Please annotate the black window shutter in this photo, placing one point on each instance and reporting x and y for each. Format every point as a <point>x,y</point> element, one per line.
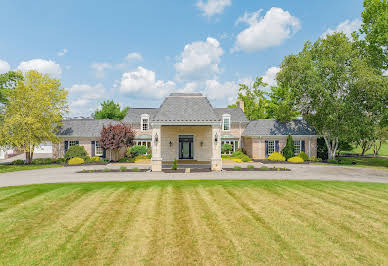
<point>302,146</point>
<point>266,148</point>
<point>93,148</point>
<point>276,145</point>
<point>104,153</point>
<point>66,145</point>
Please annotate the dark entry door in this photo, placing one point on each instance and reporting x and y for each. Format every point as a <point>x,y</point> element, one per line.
<point>186,146</point>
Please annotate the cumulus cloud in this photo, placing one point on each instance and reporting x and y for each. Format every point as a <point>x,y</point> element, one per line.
<point>42,66</point>
<point>4,67</point>
<point>346,27</point>
<point>84,98</point>
<point>213,7</point>
<point>216,90</point>
<point>131,57</point>
<point>143,82</point>
<point>100,69</point>
<point>199,60</point>
<point>271,30</point>
<point>270,76</point>
<point>62,52</point>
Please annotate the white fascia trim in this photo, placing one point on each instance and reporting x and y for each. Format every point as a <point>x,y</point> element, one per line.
<point>186,123</point>
<point>279,136</point>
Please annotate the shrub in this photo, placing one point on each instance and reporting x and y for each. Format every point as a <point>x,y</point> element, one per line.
<point>76,151</point>
<point>106,170</point>
<point>75,161</point>
<point>149,155</point>
<point>141,157</point>
<point>123,169</point>
<point>251,166</point>
<point>174,165</point>
<point>303,155</point>
<point>60,160</point>
<point>245,159</point>
<point>332,161</point>
<point>315,159</point>
<point>296,159</point>
<point>95,159</point>
<point>84,171</point>
<point>18,162</point>
<point>42,161</point>
<point>238,168</point>
<point>137,150</point>
<point>135,169</point>
<point>288,150</point>
<point>264,167</point>
<point>226,148</point>
<point>276,157</point>
<point>126,160</point>
<point>224,156</point>
<point>237,154</point>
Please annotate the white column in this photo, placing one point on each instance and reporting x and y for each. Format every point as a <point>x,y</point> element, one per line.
<point>156,161</point>
<point>216,161</point>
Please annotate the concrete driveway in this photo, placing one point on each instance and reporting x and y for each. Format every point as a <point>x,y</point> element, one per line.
<point>298,172</point>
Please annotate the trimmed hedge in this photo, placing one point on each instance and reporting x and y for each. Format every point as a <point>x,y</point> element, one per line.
<point>276,156</point>
<point>76,161</point>
<point>296,159</point>
<point>18,162</point>
<point>137,150</point>
<point>42,161</point>
<point>76,151</point>
<point>303,155</point>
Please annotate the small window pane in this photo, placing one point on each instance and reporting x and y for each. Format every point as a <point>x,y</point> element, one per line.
<point>297,147</point>
<point>271,147</point>
<point>144,124</point>
<point>226,123</point>
<point>98,150</point>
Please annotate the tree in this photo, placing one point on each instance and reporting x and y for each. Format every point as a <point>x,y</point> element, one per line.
<point>381,137</point>
<point>288,150</point>
<point>374,26</point>
<point>280,105</point>
<point>114,137</point>
<point>110,110</point>
<point>32,113</point>
<point>8,81</point>
<point>333,87</point>
<point>254,99</point>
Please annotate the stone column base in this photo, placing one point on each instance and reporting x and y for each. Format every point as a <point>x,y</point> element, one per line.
<point>216,164</point>
<point>156,165</point>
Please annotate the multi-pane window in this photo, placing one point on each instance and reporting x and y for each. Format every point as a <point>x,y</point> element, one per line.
<point>99,151</point>
<point>73,143</point>
<point>297,146</point>
<point>226,122</point>
<point>234,144</point>
<point>271,147</point>
<point>144,124</point>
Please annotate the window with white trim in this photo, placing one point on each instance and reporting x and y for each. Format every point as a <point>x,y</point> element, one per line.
<point>145,119</point>
<point>226,122</point>
<point>234,144</point>
<point>297,147</point>
<point>271,147</point>
<point>99,151</point>
<point>73,143</point>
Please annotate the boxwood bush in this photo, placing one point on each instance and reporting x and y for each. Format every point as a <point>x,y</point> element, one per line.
<point>76,151</point>
<point>76,161</point>
<point>276,156</point>
<point>137,150</point>
<point>295,159</point>
<point>42,161</point>
<point>18,162</point>
<point>303,155</point>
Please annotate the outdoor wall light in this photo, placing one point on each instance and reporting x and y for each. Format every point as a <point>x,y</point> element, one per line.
<point>170,143</point>
<point>201,143</point>
<point>216,138</point>
<point>156,137</point>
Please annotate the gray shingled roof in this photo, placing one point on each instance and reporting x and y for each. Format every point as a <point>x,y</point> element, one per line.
<point>84,127</point>
<point>272,127</point>
<point>134,114</point>
<point>186,107</point>
<point>236,114</point>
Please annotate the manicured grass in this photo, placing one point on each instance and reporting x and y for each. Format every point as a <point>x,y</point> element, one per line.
<point>363,162</point>
<point>383,151</point>
<point>14,168</point>
<point>195,222</point>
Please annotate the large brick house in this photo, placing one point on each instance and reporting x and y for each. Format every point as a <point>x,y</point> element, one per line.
<point>186,126</point>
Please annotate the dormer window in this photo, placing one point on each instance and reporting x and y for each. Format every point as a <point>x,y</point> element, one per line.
<point>145,121</point>
<point>226,122</point>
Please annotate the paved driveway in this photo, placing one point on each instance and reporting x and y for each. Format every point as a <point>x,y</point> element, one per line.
<point>298,172</point>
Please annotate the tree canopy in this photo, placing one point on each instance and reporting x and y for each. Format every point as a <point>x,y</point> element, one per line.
<point>8,81</point>
<point>110,110</point>
<point>32,113</point>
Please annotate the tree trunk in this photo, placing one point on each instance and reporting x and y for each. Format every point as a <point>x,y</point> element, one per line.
<point>332,146</point>
<point>376,147</point>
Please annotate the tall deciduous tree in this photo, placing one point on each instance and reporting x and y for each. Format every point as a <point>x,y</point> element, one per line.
<point>33,112</point>
<point>114,137</point>
<point>280,105</point>
<point>333,87</point>
<point>110,110</point>
<point>254,99</point>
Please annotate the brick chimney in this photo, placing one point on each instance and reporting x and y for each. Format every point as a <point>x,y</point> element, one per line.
<point>241,105</point>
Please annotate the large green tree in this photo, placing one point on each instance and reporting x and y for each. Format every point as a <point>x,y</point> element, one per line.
<point>280,105</point>
<point>333,87</point>
<point>110,110</point>
<point>32,113</point>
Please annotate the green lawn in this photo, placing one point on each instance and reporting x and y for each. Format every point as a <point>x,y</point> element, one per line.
<point>383,151</point>
<point>195,222</point>
<point>13,168</point>
<point>362,162</point>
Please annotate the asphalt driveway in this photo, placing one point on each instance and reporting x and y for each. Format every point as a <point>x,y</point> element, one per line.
<point>298,172</point>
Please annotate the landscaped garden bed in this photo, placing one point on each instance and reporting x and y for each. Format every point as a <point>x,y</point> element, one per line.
<point>252,168</point>
<point>183,170</point>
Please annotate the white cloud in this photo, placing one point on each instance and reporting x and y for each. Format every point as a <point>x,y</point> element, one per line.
<point>143,82</point>
<point>131,57</point>
<point>88,91</point>
<point>213,7</point>
<point>62,52</point>
<point>199,60</point>
<point>100,69</point>
<point>216,90</point>
<point>271,30</point>
<point>4,67</point>
<point>270,76</point>
<point>385,73</point>
<point>84,98</point>
<point>42,66</point>
<point>346,27</point>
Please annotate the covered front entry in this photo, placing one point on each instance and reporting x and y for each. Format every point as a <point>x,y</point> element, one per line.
<point>186,147</point>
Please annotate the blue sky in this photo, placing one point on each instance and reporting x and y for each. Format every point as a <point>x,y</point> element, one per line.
<point>136,52</point>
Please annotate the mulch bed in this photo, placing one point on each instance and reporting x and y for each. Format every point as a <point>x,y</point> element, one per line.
<point>278,162</point>
<point>192,170</point>
<point>255,169</point>
<point>113,171</point>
